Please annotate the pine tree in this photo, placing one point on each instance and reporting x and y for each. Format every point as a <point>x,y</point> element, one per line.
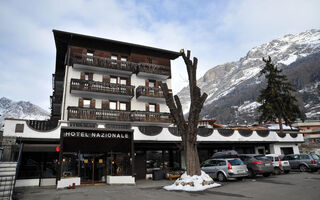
<point>277,100</point>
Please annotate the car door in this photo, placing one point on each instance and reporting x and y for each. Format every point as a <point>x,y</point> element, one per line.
<point>209,167</point>
<point>221,166</point>
<point>294,161</point>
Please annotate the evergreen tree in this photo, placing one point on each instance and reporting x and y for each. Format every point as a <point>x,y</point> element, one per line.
<point>277,101</point>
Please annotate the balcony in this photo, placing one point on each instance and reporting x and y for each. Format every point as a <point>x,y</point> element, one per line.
<point>137,117</point>
<point>150,94</point>
<point>153,71</point>
<point>84,62</point>
<point>153,117</point>
<point>101,89</point>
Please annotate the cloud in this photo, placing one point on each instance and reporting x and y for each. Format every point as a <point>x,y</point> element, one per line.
<point>215,31</point>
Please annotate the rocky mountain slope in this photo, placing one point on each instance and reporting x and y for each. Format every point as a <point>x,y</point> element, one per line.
<point>20,110</point>
<point>233,87</point>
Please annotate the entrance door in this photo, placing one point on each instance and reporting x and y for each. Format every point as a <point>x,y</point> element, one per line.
<point>93,168</point>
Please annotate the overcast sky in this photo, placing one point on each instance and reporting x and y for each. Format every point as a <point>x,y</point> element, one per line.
<point>215,31</point>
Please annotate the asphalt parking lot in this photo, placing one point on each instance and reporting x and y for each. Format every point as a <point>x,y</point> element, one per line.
<point>291,186</point>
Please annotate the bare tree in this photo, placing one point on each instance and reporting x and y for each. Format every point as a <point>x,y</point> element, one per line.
<point>187,130</point>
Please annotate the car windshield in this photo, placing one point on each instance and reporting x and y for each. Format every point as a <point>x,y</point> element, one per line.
<point>235,162</point>
<point>261,158</point>
<point>314,156</point>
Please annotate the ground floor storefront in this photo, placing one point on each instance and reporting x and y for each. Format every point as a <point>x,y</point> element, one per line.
<point>91,157</point>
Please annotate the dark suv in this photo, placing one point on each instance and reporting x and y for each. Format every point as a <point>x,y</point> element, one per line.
<point>257,164</point>
<point>303,162</point>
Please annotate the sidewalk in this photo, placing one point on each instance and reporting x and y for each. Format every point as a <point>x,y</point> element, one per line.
<point>88,192</point>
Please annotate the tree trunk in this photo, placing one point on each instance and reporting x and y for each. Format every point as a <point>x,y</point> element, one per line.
<point>187,130</point>
<point>280,125</point>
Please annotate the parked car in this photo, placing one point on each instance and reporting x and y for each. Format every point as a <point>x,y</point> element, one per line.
<point>225,168</point>
<point>303,162</point>
<point>257,164</point>
<point>278,164</point>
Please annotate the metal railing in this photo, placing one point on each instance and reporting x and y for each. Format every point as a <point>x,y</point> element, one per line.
<point>149,92</point>
<point>101,87</point>
<point>117,115</point>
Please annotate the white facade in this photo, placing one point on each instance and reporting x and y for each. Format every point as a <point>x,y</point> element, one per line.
<point>73,99</point>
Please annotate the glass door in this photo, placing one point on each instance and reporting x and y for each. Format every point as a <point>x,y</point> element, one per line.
<point>93,168</point>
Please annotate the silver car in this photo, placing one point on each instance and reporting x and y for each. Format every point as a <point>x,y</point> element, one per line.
<point>225,168</point>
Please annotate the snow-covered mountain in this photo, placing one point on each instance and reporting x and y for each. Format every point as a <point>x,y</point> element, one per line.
<point>20,110</point>
<point>233,87</point>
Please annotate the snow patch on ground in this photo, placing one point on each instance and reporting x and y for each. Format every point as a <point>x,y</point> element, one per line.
<point>249,107</point>
<point>193,183</point>
<point>289,60</point>
<point>276,127</point>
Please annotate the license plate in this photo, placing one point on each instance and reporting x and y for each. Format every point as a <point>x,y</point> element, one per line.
<point>267,164</point>
<point>240,171</point>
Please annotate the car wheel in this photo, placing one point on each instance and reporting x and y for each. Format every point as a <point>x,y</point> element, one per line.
<point>266,174</point>
<point>303,168</point>
<point>277,171</point>
<point>251,173</point>
<point>286,171</point>
<point>221,177</point>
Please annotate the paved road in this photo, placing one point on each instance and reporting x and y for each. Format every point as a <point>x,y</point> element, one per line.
<point>302,186</point>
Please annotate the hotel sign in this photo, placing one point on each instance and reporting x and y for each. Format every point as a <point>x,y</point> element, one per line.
<point>95,134</point>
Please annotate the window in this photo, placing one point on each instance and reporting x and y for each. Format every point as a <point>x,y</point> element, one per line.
<point>114,80</point>
<point>113,105</point>
<point>152,107</point>
<point>123,81</point>
<point>114,58</point>
<point>123,61</point>
<point>152,83</point>
<point>123,106</point>
<point>90,55</point>
<point>304,157</point>
<point>235,162</point>
<point>19,128</point>
<point>86,103</point>
<point>86,76</point>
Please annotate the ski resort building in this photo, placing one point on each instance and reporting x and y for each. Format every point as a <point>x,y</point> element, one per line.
<point>109,121</point>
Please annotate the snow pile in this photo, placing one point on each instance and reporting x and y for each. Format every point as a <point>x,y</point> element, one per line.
<point>193,183</point>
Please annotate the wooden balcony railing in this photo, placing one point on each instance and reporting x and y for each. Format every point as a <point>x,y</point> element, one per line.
<point>149,92</point>
<point>120,65</point>
<point>117,115</point>
<point>143,116</point>
<point>154,69</point>
<point>101,87</point>
<point>103,62</point>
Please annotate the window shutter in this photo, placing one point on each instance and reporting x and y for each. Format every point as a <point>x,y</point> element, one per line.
<point>92,103</point>
<point>90,76</point>
<point>106,79</point>
<point>147,107</point>
<point>129,81</point>
<point>84,51</point>
<point>157,84</point>
<point>107,104</point>
<point>147,83</point>
<point>80,102</point>
<point>82,75</point>
<point>128,106</point>
<point>157,108</point>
